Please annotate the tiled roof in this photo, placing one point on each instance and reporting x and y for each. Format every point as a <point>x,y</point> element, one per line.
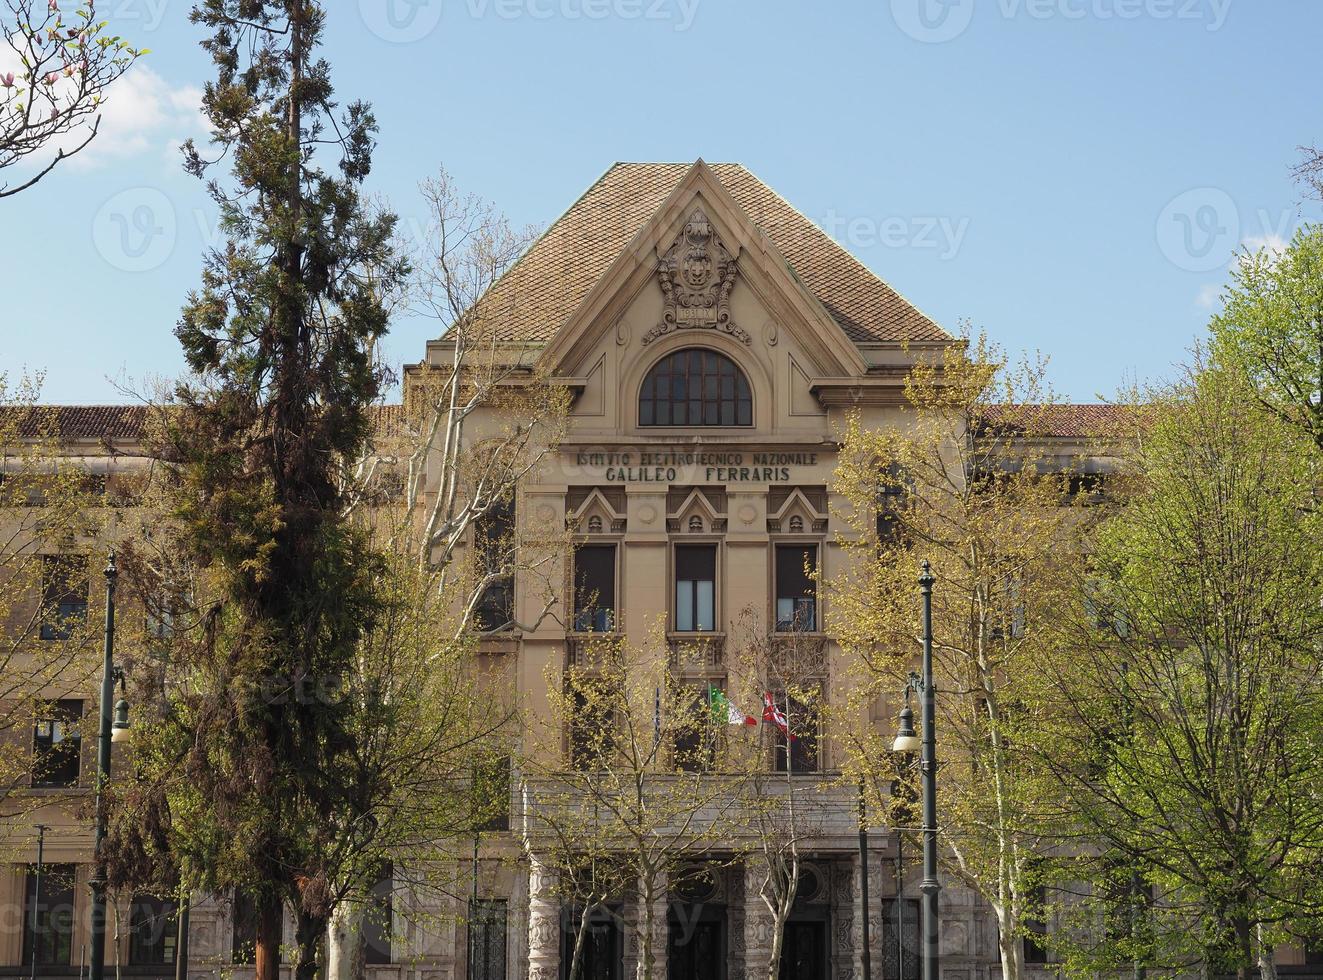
<point>116,423</point>
<point>1064,420</point>
<point>536,296</point>
<point>78,422</point>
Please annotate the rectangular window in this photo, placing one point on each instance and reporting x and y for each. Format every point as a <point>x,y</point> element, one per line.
<point>57,744</point>
<point>377,922</point>
<point>595,588</point>
<point>494,543</point>
<point>63,596</point>
<point>243,930</point>
<point>487,929</point>
<point>802,720</point>
<point>900,940</point>
<point>492,798</point>
<point>153,931</point>
<point>54,912</point>
<point>796,591</point>
<point>695,588</point>
<point>696,735</point>
<point>1035,924</point>
<point>592,724</point>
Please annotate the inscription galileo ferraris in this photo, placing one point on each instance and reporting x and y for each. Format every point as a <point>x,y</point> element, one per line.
<point>719,467</point>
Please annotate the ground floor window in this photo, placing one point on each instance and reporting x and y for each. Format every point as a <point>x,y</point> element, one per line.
<point>487,932</point>
<point>154,931</point>
<point>48,916</point>
<point>601,958</point>
<point>900,940</point>
<point>377,924</point>
<point>243,926</point>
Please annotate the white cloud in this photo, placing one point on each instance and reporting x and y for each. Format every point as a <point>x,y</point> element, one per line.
<point>144,113</point>
<point>1209,297</point>
<point>1269,240</point>
<point>141,113</point>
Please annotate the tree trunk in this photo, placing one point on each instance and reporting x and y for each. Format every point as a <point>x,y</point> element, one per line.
<point>345,944</point>
<point>1009,945</point>
<point>309,934</point>
<point>778,941</point>
<point>1244,949</point>
<point>270,926</point>
<point>1267,958</point>
<point>645,940</point>
<point>576,960</point>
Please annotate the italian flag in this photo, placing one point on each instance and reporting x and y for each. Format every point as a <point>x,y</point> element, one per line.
<point>723,710</point>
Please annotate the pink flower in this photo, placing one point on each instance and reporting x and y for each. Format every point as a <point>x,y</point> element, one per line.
<point>53,6</point>
<point>7,79</point>
<point>52,78</point>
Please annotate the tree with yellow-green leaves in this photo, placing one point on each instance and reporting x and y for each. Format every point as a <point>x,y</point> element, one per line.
<point>48,639</point>
<point>962,481</point>
<point>629,778</point>
<point>1184,718</point>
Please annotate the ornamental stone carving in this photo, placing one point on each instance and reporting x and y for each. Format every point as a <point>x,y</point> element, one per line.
<point>697,274</point>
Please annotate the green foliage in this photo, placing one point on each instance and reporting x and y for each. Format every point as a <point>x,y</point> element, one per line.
<point>1188,723</point>
<point>252,764</point>
<point>1271,329</point>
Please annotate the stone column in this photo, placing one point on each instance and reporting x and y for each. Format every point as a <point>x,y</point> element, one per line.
<point>880,886</point>
<point>846,925</point>
<point>735,965</point>
<point>757,925</point>
<point>633,965</point>
<point>543,923</point>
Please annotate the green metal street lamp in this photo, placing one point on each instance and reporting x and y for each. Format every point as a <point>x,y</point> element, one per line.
<point>908,740</point>
<point>114,729</point>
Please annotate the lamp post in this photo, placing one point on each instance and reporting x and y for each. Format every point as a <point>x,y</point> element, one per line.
<point>36,896</point>
<point>907,740</point>
<point>116,730</point>
<point>863,881</point>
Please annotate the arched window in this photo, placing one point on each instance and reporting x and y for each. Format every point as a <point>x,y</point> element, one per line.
<point>695,387</point>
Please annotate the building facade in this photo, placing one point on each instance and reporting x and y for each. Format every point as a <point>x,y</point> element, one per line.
<point>713,340</point>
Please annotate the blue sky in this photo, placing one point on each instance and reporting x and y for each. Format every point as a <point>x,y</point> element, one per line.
<point>1072,176</point>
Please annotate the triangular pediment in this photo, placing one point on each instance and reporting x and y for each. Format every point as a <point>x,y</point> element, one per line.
<point>696,249</point>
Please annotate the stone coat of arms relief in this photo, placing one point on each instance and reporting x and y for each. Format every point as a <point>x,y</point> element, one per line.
<point>697,274</point>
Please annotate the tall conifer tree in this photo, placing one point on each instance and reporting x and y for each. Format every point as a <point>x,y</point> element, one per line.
<point>251,792</point>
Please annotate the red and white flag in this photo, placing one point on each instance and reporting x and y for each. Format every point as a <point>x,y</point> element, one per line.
<point>775,715</point>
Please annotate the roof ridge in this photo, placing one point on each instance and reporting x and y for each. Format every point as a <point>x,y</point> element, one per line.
<point>534,298</point>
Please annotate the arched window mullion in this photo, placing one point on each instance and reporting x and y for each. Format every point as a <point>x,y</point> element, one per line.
<point>695,386</point>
